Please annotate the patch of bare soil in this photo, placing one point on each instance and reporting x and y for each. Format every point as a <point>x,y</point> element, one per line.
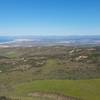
<point>52,96</point>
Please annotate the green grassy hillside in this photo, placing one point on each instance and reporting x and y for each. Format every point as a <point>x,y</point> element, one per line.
<point>83,89</point>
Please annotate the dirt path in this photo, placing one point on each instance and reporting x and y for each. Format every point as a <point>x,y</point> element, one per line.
<point>52,96</point>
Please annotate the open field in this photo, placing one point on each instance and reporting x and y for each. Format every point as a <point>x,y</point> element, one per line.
<point>83,89</point>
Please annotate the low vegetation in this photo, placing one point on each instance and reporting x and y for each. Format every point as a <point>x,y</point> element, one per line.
<point>84,89</point>
<point>70,71</point>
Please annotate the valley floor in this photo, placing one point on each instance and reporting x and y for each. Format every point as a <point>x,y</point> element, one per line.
<point>46,73</point>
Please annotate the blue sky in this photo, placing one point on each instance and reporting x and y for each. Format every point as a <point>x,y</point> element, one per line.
<point>49,17</point>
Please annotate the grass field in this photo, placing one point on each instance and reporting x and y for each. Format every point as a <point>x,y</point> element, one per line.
<point>83,89</point>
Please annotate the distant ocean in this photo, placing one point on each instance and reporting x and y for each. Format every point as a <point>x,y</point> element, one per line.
<point>76,39</point>
<point>6,39</point>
